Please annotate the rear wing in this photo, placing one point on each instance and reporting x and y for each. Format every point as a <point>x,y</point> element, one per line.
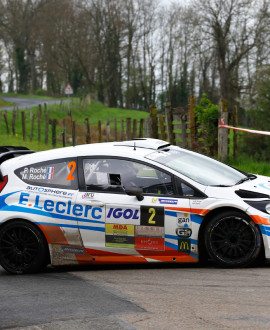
<point>8,152</point>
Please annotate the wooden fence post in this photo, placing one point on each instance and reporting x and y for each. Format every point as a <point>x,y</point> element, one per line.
<point>162,127</point>
<point>87,131</point>
<point>74,133</point>
<point>122,130</point>
<point>141,128</point>
<point>6,121</point>
<point>184,131</point>
<point>40,110</point>
<point>39,121</point>
<point>23,125</point>
<point>108,130</point>
<point>46,128</point>
<point>154,123</point>
<point>115,130</point>
<point>64,133</point>
<point>32,127</point>
<point>128,120</point>
<point>169,123</point>
<point>235,135</point>
<point>14,122</point>
<point>192,121</point>
<point>134,131</point>
<point>54,133</point>
<point>223,132</point>
<point>99,131</point>
<point>146,128</point>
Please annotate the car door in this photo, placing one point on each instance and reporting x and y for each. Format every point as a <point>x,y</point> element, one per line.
<point>122,223</point>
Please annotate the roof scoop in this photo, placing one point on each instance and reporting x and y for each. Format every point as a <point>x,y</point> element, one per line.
<point>153,144</point>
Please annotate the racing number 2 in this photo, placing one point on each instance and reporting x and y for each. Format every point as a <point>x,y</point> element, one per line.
<point>72,165</point>
<point>152,216</point>
<point>153,213</point>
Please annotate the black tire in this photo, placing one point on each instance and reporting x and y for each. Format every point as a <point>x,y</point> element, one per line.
<point>232,240</point>
<point>23,248</point>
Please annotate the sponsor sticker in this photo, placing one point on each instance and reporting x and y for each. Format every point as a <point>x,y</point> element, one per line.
<point>88,195</point>
<point>183,219</point>
<point>264,185</point>
<point>183,232</point>
<point>121,241</point>
<point>117,229</point>
<point>64,208</point>
<point>49,191</point>
<point>152,216</point>
<point>149,231</point>
<point>70,249</point>
<point>184,245</point>
<point>149,243</point>
<point>168,201</point>
<point>123,215</point>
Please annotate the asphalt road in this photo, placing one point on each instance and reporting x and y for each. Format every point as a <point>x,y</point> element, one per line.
<point>136,297</point>
<point>23,103</point>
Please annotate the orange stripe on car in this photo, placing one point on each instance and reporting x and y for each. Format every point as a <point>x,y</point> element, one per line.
<point>260,220</point>
<point>194,211</point>
<point>54,235</point>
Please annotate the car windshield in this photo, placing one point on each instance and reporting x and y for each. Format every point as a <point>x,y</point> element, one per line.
<point>197,167</point>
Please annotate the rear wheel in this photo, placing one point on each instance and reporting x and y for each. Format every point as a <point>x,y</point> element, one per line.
<point>23,249</point>
<point>232,240</point>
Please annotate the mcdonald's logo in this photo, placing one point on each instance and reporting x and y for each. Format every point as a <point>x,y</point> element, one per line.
<point>184,245</point>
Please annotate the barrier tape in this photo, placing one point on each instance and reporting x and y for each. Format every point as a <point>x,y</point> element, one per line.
<point>242,129</point>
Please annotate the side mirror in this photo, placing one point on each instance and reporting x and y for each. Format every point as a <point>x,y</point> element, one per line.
<point>134,191</point>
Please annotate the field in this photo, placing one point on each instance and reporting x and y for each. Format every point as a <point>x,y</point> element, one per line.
<point>76,111</point>
<point>95,112</point>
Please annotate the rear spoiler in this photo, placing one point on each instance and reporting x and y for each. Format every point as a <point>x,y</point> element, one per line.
<point>8,152</point>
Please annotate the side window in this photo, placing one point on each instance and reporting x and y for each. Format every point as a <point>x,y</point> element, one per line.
<point>60,173</point>
<point>115,174</point>
<point>184,190</point>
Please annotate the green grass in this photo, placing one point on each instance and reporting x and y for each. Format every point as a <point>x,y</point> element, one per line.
<point>248,164</point>
<point>79,111</point>
<point>4,103</point>
<point>18,141</point>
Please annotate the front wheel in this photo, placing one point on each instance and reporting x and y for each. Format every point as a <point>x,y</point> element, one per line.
<point>23,249</point>
<point>232,240</point>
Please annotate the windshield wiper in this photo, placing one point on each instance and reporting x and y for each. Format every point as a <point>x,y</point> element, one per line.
<point>221,185</point>
<point>247,178</point>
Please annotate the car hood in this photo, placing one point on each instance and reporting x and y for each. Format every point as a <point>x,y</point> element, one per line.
<point>259,186</point>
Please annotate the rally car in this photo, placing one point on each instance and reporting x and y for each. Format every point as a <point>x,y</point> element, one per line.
<point>135,201</point>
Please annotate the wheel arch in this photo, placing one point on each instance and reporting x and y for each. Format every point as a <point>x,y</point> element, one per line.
<point>201,244</point>
<point>3,224</point>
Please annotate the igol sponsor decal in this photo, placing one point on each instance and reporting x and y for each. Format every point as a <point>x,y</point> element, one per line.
<point>121,215</point>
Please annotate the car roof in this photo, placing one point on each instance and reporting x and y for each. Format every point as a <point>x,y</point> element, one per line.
<point>136,148</point>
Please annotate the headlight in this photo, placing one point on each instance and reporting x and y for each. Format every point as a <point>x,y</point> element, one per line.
<point>267,208</point>
<point>263,206</point>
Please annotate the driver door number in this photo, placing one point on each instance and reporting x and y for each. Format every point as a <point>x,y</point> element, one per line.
<point>152,216</point>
